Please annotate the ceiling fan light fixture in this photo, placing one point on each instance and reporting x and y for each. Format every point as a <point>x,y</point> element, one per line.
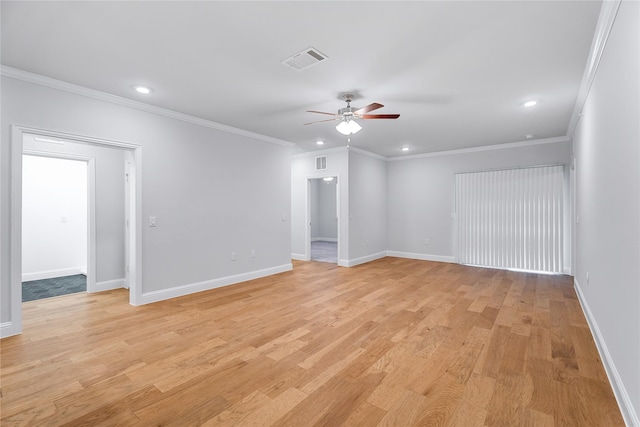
<point>348,127</point>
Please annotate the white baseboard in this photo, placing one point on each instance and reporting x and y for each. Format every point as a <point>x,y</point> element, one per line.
<point>108,285</point>
<point>423,257</point>
<point>299,257</point>
<point>8,329</point>
<point>178,291</point>
<point>324,239</point>
<point>26,277</point>
<point>361,260</point>
<point>631,418</point>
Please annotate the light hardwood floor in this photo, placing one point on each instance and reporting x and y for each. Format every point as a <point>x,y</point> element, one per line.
<point>394,342</point>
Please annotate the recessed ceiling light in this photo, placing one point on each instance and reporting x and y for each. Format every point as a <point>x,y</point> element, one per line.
<point>328,178</point>
<point>529,136</point>
<point>405,148</point>
<point>142,89</point>
<point>320,142</point>
<point>530,103</point>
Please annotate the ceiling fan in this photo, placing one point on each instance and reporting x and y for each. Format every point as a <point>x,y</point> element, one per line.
<point>347,116</point>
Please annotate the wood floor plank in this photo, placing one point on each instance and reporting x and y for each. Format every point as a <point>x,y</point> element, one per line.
<point>395,342</point>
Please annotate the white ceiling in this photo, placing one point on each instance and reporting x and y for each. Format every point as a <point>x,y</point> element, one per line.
<point>457,72</point>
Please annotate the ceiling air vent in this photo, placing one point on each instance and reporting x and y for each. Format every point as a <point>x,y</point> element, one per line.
<point>305,59</point>
<point>321,163</point>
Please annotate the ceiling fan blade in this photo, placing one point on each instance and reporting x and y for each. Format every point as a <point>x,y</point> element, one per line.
<point>370,107</point>
<point>380,116</point>
<point>320,121</point>
<point>320,112</point>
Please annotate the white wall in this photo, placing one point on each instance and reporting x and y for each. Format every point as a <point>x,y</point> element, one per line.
<point>607,151</point>
<point>213,192</point>
<point>54,217</point>
<point>109,202</point>
<point>302,169</point>
<point>367,207</point>
<point>420,194</point>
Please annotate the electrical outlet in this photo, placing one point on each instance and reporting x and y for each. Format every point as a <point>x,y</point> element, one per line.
<point>233,256</point>
<point>426,241</point>
<point>587,277</point>
<point>366,243</point>
<point>253,253</point>
<point>153,222</point>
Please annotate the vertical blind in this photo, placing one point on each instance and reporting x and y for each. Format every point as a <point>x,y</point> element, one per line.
<point>511,218</point>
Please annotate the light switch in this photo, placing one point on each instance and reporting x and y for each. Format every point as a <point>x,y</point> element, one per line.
<point>152,221</point>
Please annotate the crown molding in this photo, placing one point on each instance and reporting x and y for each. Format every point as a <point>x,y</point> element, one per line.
<point>367,153</point>
<point>483,148</point>
<point>607,17</point>
<point>26,76</point>
<point>319,152</point>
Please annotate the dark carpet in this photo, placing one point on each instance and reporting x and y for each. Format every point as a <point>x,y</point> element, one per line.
<point>47,288</point>
<point>324,251</point>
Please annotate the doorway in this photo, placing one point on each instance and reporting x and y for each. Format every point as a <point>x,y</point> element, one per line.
<point>323,219</point>
<point>55,223</point>
<point>133,232</point>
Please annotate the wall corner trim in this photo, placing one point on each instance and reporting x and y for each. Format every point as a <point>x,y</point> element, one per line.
<point>108,285</point>
<point>8,329</point>
<point>361,260</point>
<point>299,257</point>
<point>631,418</point>
<point>319,152</point>
<point>26,76</point>
<point>555,140</point>
<point>178,291</point>
<point>367,153</point>
<point>608,12</point>
<point>423,257</point>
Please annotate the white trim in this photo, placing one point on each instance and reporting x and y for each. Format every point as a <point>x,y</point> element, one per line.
<point>555,140</point>
<point>50,274</point>
<point>108,285</point>
<point>367,153</point>
<point>423,257</point>
<point>324,239</point>
<point>362,260</point>
<point>299,257</point>
<point>319,152</point>
<point>343,263</point>
<point>619,390</point>
<point>118,100</point>
<point>8,329</point>
<point>178,291</point>
<point>608,12</point>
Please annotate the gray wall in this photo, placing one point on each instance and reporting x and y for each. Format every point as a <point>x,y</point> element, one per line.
<point>109,167</point>
<point>367,206</point>
<point>607,151</point>
<point>212,192</point>
<point>420,193</point>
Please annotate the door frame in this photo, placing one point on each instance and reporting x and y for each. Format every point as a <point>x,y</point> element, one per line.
<point>15,234</point>
<point>307,222</point>
<point>91,209</point>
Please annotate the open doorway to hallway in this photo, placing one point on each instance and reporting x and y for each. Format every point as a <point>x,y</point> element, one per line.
<point>323,215</point>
